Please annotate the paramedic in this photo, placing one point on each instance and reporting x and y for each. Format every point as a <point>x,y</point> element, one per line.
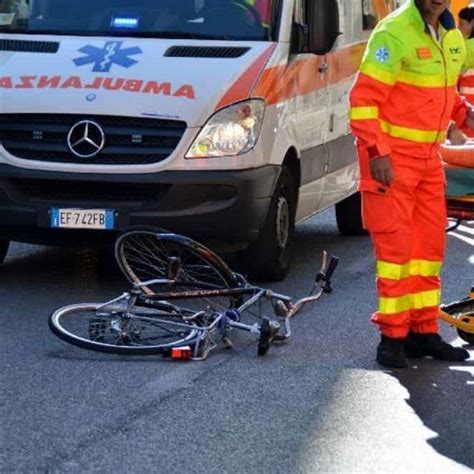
<point>402,102</point>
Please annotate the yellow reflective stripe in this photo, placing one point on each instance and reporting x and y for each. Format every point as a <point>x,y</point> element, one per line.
<point>375,72</point>
<point>412,78</point>
<point>364,113</point>
<point>425,299</point>
<point>393,271</point>
<point>412,134</point>
<point>426,80</point>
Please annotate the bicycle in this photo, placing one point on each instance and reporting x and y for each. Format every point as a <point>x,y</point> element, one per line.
<point>184,297</point>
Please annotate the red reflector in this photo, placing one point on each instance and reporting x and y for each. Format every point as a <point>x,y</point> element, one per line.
<point>181,353</point>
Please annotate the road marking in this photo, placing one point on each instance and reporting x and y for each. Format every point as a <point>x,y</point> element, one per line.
<point>464,232</point>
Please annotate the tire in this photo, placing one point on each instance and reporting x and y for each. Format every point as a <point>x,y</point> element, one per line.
<point>349,216</point>
<point>466,336</point>
<point>269,257</point>
<point>4,244</point>
<point>464,311</point>
<point>143,255</point>
<point>82,326</point>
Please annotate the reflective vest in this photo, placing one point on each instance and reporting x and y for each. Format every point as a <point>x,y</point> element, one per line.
<point>466,81</point>
<point>406,91</point>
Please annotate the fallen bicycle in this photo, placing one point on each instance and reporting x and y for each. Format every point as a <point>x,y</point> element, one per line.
<point>184,301</point>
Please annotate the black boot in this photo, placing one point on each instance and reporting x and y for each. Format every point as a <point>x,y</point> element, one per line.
<point>431,345</point>
<point>390,353</point>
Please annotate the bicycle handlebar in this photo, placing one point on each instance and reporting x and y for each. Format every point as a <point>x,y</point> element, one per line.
<point>323,279</point>
<point>298,306</point>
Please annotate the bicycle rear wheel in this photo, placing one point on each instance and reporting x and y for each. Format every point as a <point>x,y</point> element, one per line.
<point>142,331</point>
<point>147,255</point>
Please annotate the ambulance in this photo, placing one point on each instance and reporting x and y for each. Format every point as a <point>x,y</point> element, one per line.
<point>225,120</point>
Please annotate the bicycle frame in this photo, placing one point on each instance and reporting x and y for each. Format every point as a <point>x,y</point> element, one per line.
<point>132,304</point>
<point>136,302</point>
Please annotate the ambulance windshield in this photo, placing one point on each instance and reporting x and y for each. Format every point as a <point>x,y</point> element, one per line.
<point>206,19</point>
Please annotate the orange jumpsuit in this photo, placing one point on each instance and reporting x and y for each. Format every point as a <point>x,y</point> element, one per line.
<point>402,102</point>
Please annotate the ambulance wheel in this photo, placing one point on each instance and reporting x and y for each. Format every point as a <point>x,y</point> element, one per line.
<point>349,216</point>
<point>269,258</point>
<point>4,244</point>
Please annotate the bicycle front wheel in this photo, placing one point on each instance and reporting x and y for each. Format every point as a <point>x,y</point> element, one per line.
<point>141,331</point>
<point>147,255</point>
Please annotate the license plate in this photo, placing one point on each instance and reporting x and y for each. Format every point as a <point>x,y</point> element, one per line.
<point>82,218</point>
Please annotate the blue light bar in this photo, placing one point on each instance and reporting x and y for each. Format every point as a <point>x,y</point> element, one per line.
<point>124,22</point>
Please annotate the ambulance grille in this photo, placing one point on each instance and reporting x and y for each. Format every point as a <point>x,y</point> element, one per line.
<point>205,52</point>
<point>128,140</point>
<point>56,191</point>
<point>22,46</point>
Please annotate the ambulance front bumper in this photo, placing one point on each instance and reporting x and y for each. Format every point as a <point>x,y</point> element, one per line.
<point>221,206</point>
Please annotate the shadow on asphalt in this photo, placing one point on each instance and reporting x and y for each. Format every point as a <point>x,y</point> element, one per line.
<point>434,389</point>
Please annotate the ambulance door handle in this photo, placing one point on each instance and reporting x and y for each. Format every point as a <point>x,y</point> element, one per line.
<point>323,68</point>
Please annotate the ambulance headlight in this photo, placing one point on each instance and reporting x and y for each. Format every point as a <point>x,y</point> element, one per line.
<point>230,132</point>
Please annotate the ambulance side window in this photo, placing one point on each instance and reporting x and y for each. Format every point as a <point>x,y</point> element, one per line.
<point>315,26</point>
<point>369,15</point>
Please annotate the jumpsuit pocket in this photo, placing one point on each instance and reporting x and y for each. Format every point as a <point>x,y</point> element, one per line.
<point>378,213</point>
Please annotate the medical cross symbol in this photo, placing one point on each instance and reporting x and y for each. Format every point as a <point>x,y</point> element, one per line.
<point>382,55</point>
<point>104,58</point>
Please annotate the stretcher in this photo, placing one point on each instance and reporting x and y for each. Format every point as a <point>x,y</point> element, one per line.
<point>459,167</point>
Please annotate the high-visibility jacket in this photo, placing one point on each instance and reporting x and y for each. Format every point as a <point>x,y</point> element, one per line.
<point>406,91</point>
<point>466,81</point>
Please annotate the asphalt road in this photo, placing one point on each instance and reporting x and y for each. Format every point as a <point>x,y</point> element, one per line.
<point>317,404</point>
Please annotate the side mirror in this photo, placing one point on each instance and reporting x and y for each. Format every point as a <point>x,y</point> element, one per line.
<point>299,38</point>
<point>322,18</point>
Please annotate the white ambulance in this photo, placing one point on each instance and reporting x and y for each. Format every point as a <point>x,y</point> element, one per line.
<point>225,120</point>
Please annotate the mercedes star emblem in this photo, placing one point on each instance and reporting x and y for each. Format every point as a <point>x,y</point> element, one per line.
<point>86,139</point>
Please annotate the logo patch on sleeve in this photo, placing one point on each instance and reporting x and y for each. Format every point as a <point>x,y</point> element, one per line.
<point>382,55</point>
<point>423,53</point>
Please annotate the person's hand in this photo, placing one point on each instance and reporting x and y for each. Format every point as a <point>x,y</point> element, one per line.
<point>456,137</point>
<point>381,170</point>
<point>470,119</point>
